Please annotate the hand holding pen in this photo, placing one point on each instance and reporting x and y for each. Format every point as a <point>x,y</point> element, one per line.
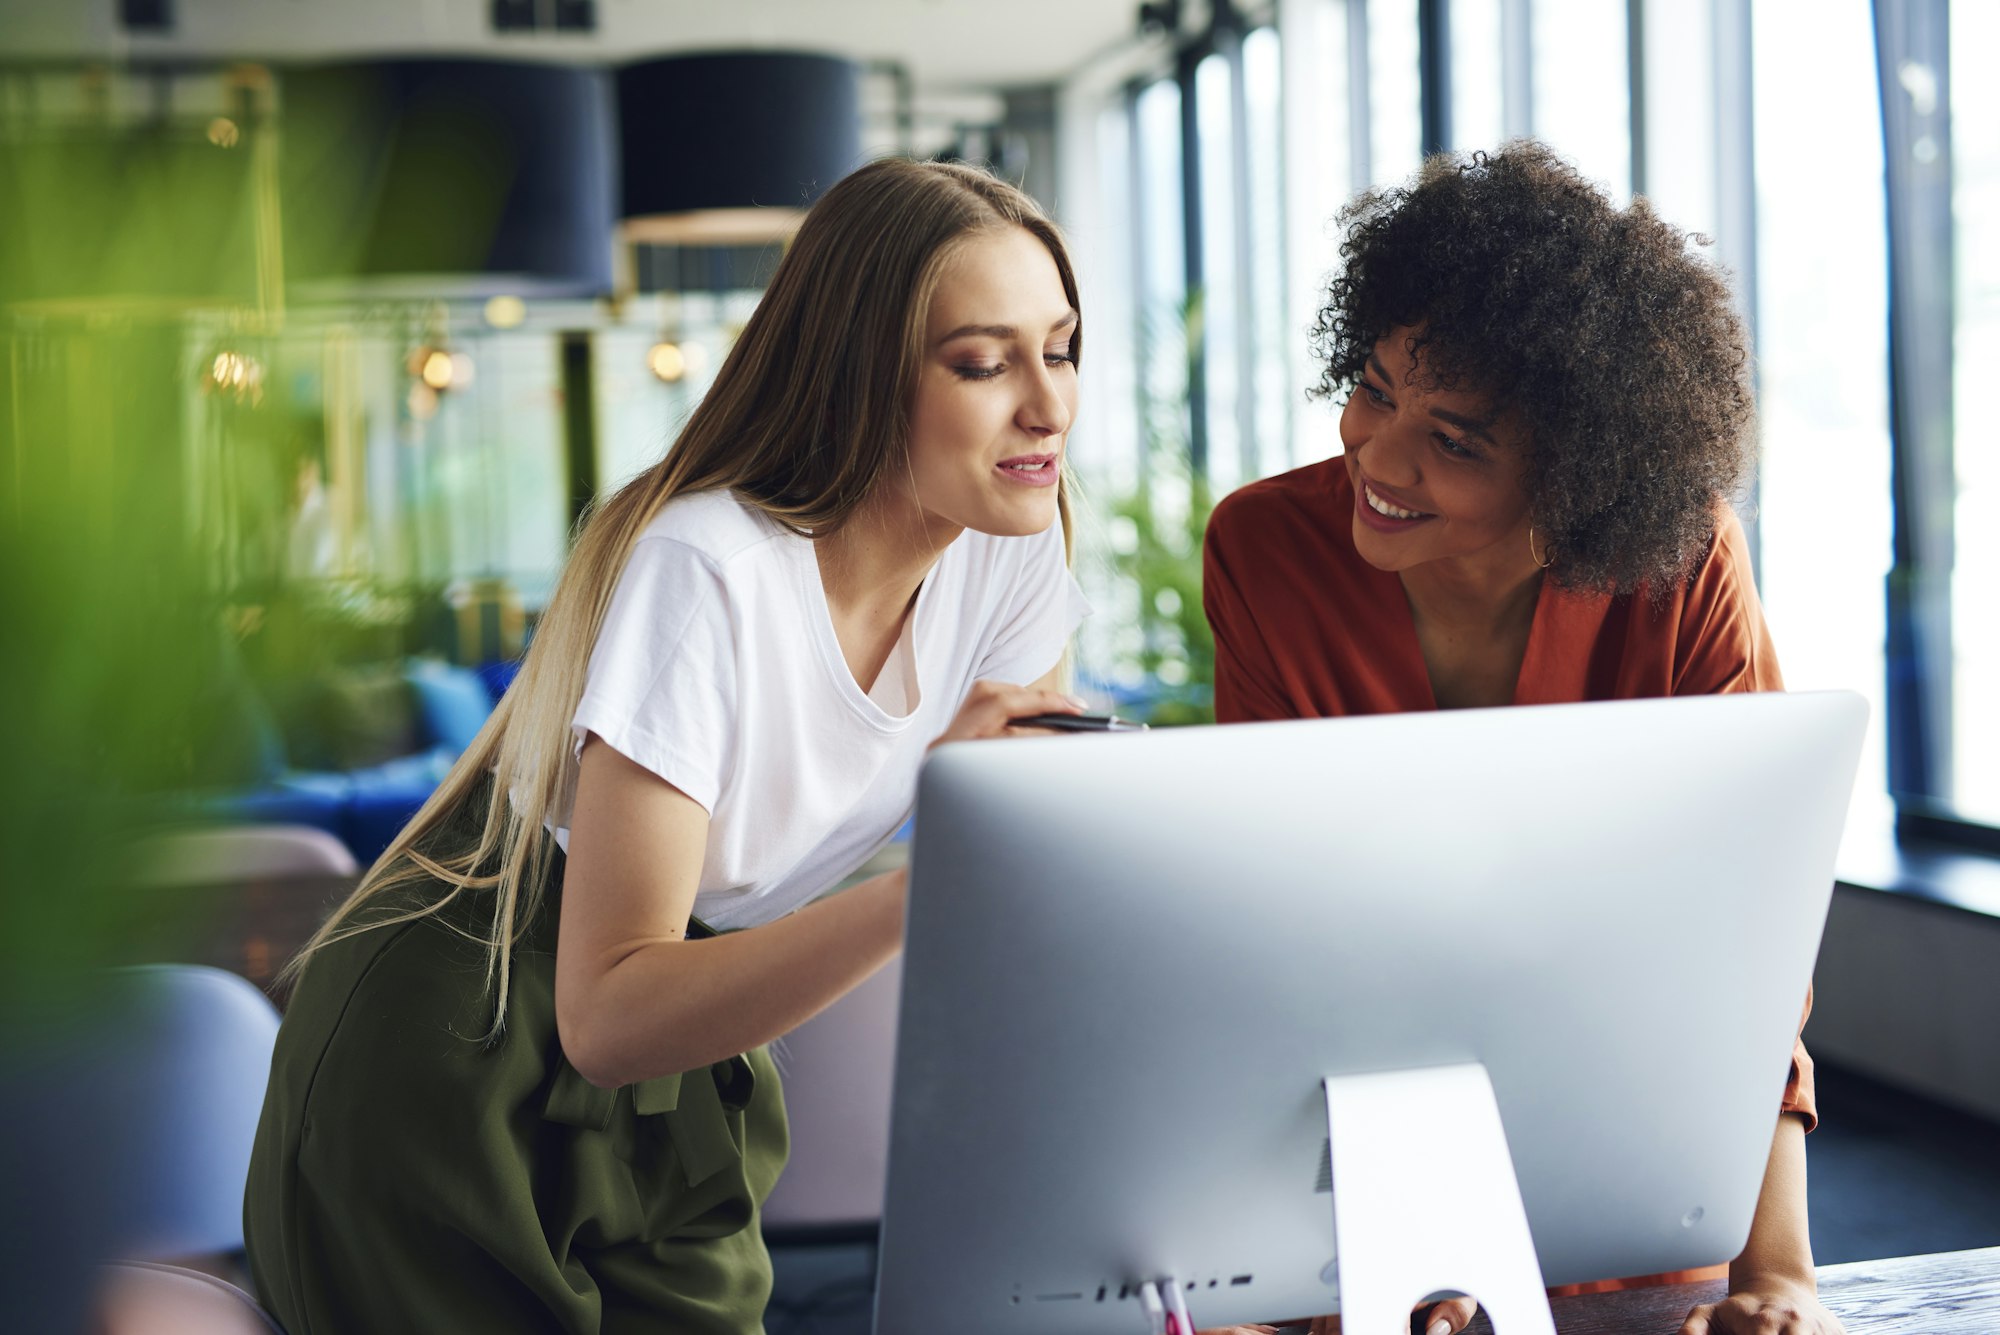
<point>991,709</point>
<point>1077,723</point>
<point>1000,709</point>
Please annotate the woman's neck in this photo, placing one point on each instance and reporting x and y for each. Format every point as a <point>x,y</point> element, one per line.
<point>1473,627</point>
<point>870,570</point>
<point>1472,595</point>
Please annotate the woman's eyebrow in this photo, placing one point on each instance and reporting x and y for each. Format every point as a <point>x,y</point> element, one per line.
<point>1470,425</point>
<point>1061,323</point>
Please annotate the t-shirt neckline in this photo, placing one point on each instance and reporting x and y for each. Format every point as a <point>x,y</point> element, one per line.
<point>812,591</point>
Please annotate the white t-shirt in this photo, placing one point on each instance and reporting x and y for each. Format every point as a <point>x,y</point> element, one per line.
<point>717,669</point>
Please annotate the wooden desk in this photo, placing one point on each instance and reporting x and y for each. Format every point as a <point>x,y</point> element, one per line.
<point>1951,1293</point>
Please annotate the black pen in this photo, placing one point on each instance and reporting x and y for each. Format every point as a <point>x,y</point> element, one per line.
<point>1078,723</point>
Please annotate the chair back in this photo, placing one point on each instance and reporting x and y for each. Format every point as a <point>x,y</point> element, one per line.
<point>235,854</point>
<point>194,1090</point>
<point>838,1070</point>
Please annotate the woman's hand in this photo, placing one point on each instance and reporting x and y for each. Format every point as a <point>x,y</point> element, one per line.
<point>990,705</point>
<point>1446,1318</point>
<point>1764,1309</point>
<point>1771,1290</point>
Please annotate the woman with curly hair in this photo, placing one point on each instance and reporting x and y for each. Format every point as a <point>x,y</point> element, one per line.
<point>1547,413</point>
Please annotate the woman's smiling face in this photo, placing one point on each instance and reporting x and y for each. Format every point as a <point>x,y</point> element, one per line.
<point>1437,474</point>
<point>997,389</point>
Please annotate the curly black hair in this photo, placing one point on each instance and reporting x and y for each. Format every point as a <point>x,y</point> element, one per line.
<point>1614,343</point>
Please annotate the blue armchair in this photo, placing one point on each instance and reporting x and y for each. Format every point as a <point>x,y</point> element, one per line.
<point>367,805</point>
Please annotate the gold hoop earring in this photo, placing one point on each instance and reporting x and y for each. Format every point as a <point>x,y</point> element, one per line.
<point>1546,557</point>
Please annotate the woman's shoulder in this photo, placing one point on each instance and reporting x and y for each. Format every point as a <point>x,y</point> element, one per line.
<point>1722,575</point>
<point>1729,552</point>
<point>1291,526</point>
<point>1308,496</point>
<point>1723,588</point>
<point>700,555</point>
<point>1709,628</point>
<point>714,525</point>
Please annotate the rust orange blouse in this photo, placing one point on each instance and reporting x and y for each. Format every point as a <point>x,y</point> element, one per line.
<point>1305,628</point>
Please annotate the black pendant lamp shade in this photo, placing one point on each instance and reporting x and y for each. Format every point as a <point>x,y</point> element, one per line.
<point>448,177</point>
<point>729,148</point>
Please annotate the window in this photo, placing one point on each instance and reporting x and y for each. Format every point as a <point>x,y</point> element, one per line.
<point>1582,92</point>
<point>1241,318</point>
<point>1939,154</point>
<point>1202,149</point>
<point>1822,357</point>
<point>1478,110</point>
<point>1395,92</point>
<point>1161,295</point>
<point>1269,326</point>
<point>1318,115</point>
<point>1975,209</point>
<point>1226,345</point>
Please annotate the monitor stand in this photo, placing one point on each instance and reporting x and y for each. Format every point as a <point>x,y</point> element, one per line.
<point>1425,1201</point>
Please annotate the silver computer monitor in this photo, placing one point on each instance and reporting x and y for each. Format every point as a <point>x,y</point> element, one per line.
<point>1133,960</point>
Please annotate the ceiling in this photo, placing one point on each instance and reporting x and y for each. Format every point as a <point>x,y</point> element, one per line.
<point>946,44</point>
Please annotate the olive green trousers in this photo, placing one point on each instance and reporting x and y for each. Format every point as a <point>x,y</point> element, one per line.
<point>408,1177</point>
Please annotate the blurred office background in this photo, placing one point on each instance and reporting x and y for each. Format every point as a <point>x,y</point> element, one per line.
<point>323,324</point>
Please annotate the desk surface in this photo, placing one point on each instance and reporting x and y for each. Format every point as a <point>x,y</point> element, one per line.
<point>1951,1293</point>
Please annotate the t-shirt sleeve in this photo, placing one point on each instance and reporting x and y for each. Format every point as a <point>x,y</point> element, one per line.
<point>1042,605</point>
<point>1247,688</point>
<point>661,688</point>
<point>1723,645</point>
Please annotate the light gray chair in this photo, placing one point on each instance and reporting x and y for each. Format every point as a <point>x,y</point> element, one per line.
<point>195,1091</point>
<point>838,1070</point>
<point>257,892</point>
<point>229,854</point>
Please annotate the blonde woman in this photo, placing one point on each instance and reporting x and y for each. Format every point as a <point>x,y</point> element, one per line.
<point>521,1083</point>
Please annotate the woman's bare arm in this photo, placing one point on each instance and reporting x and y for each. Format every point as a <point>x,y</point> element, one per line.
<point>1779,1249</point>
<point>1772,1289</point>
<point>634,998</point>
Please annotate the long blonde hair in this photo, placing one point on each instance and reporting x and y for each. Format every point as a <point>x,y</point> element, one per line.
<point>808,412</point>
